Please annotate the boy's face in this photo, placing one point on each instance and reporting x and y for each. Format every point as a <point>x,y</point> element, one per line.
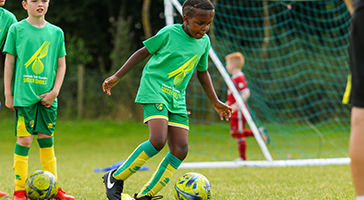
<point>36,8</point>
<point>2,2</point>
<point>199,24</point>
<point>230,67</point>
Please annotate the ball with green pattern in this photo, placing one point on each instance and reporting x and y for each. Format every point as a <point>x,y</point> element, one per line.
<point>41,185</point>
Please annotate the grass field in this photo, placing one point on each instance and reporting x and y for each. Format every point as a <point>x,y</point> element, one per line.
<point>82,146</point>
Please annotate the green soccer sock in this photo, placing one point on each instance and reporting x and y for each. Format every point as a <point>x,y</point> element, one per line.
<point>136,160</point>
<point>47,156</point>
<point>162,176</point>
<point>20,166</point>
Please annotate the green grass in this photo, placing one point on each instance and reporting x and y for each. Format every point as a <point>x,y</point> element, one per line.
<point>82,146</point>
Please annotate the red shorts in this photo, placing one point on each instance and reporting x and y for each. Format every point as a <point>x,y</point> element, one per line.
<point>237,122</point>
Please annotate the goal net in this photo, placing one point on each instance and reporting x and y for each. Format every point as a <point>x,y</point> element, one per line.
<point>296,64</point>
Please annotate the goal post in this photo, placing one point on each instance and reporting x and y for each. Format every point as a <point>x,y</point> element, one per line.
<point>227,80</point>
<point>297,64</point>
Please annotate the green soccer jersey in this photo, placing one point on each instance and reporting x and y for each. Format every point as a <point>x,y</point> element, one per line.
<point>6,20</point>
<point>166,75</point>
<point>37,51</point>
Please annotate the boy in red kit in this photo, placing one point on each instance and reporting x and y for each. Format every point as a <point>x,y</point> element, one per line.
<point>234,65</point>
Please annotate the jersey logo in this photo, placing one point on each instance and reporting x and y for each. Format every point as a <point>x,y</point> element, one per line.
<point>159,106</point>
<point>180,73</point>
<point>38,66</point>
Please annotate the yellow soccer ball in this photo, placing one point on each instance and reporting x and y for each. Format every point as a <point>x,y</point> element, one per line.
<point>192,186</point>
<point>41,185</point>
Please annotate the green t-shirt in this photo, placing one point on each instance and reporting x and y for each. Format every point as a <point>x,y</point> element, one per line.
<point>6,20</point>
<point>37,51</point>
<point>165,77</point>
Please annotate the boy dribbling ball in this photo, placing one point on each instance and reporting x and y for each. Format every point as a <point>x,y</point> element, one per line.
<point>177,51</point>
<point>35,66</point>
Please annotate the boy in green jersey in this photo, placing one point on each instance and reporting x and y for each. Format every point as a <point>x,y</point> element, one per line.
<point>35,66</point>
<point>6,20</point>
<point>177,50</point>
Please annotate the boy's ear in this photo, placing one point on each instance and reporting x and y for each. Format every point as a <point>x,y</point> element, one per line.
<point>185,19</point>
<point>24,4</point>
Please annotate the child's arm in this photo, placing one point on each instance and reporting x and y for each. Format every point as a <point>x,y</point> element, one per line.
<point>8,78</point>
<point>49,97</point>
<point>129,64</point>
<point>349,5</point>
<point>245,96</point>
<point>222,109</point>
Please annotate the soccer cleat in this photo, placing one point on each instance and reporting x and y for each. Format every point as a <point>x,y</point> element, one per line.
<point>239,159</point>
<point>63,196</point>
<point>4,194</point>
<point>264,134</point>
<point>20,195</point>
<point>147,197</point>
<point>114,187</point>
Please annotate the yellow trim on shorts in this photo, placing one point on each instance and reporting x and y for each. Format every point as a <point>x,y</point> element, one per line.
<point>21,130</point>
<point>155,117</point>
<point>178,125</point>
<point>346,96</point>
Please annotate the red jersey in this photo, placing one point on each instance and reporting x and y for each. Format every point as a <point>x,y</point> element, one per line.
<point>240,84</point>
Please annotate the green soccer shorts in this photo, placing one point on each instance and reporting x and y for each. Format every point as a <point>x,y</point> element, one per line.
<point>160,111</point>
<point>33,119</point>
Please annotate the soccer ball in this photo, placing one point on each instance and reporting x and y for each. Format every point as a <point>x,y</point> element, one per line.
<point>192,186</point>
<point>125,196</point>
<point>41,185</point>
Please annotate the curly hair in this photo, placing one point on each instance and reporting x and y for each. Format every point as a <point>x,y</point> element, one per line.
<point>189,6</point>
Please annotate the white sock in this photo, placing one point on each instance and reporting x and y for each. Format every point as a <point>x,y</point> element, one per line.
<point>360,198</point>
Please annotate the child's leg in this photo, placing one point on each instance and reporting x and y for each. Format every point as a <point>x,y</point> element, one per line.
<point>47,156</point>
<point>178,145</point>
<point>242,146</point>
<point>23,130</point>
<point>236,131</point>
<point>21,158</point>
<point>45,124</point>
<point>146,150</point>
<point>247,132</point>
<point>356,149</point>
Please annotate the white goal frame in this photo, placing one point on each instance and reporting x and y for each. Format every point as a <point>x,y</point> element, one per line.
<point>269,162</point>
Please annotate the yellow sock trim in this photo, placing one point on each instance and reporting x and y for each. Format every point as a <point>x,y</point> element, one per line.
<point>346,96</point>
<point>21,171</point>
<point>48,160</point>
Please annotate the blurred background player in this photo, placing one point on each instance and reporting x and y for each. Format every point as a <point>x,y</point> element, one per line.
<point>177,51</point>
<point>6,20</point>
<point>234,65</point>
<point>355,94</point>
<point>34,49</point>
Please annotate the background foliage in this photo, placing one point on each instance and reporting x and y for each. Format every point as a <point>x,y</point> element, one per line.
<point>100,35</point>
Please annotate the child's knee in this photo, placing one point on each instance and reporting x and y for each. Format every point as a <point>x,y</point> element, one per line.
<point>180,152</point>
<point>158,144</point>
<point>25,141</point>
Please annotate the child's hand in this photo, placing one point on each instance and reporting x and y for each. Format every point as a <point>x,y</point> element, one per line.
<point>109,83</point>
<point>48,98</point>
<point>223,110</point>
<point>9,102</point>
<point>234,107</point>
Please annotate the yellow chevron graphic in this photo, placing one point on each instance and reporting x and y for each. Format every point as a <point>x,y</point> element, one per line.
<point>180,73</point>
<point>38,66</point>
